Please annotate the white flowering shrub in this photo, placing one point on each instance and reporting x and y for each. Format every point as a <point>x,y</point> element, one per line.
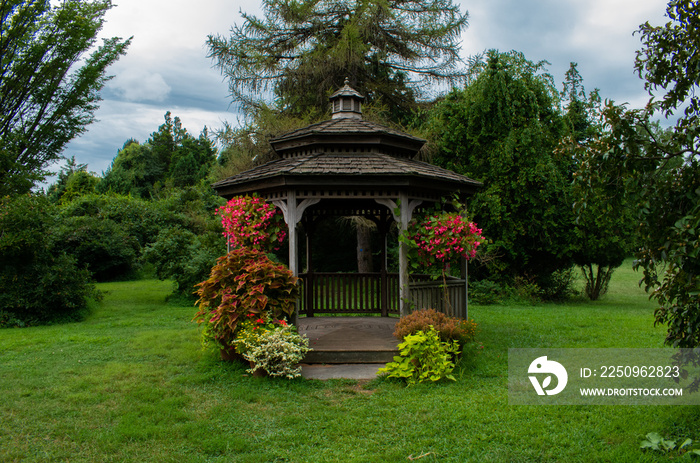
<point>278,352</point>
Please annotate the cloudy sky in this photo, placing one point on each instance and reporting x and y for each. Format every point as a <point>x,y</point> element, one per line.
<point>166,68</point>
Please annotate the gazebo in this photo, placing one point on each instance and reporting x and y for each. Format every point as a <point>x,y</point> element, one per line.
<point>348,166</point>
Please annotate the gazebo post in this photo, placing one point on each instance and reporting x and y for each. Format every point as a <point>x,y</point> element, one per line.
<point>403,257</point>
<point>292,221</point>
<point>406,208</point>
<point>383,227</point>
<point>293,213</point>
<point>309,298</point>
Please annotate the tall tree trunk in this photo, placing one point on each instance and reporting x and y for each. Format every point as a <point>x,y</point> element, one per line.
<point>364,248</point>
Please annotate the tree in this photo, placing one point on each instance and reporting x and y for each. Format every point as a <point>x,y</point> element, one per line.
<point>171,157</point>
<point>50,76</point>
<point>671,213</point>
<point>604,223</point>
<point>56,190</point>
<point>661,175</point>
<point>502,129</point>
<point>301,51</point>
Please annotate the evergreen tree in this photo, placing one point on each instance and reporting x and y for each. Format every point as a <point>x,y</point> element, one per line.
<point>301,51</point>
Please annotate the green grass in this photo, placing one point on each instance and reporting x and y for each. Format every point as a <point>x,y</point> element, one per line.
<point>131,383</point>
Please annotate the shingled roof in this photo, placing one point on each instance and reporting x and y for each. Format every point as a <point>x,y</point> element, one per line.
<point>334,127</point>
<point>345,170</point>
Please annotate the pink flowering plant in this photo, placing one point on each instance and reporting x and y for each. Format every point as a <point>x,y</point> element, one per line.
<point>251,222</point>
<point>439,241</point>
<point>442,239</point>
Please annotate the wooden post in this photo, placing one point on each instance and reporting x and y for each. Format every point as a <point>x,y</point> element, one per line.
<point>406,215</point>
<point>383,281</point>
<point>405,208</point>
<point>309,294</point>
<point>292,220</point>
<point>293,213</point>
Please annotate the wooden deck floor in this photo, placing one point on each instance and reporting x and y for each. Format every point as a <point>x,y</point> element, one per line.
<point>349,339</point>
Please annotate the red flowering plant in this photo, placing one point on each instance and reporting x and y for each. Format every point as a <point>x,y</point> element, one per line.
<point>252,222</point>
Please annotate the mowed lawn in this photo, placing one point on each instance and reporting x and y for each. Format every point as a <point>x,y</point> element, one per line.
<point>132,383</point>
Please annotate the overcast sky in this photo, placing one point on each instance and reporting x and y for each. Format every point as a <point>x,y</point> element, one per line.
<point>166,68</point>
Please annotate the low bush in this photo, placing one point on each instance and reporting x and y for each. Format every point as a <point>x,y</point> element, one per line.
<point>99,244</point>
<point>49,289</point>
<point>277,351</point>
<point>559,285</point>
<point>448,328</point>
<point>186,258</point>
<point>485,292</point>
<point>423,356</point>
<point>525,291</point>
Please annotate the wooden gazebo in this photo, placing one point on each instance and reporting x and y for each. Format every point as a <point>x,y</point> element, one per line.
<point>342,167</point>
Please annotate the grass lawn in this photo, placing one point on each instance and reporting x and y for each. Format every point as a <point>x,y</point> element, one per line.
<point>131,383</point>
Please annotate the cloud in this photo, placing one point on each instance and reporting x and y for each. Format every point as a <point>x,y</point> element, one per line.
<point>136,84</point>
<point>596,34</point>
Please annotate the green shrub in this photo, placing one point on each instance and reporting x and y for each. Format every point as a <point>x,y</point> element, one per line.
<point>448,328</point>
<point>559,285</point>
<point>423,356</point>
<point>278,351</point>
<point>139,218</point>
<point>50,289</point>
<point>184,257</point>
<point>485,292</point>
<point>524,290</point>
<point>38,284</point>
<point>99,244</point>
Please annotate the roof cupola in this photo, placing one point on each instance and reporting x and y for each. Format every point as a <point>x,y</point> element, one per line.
<point>346,103</point>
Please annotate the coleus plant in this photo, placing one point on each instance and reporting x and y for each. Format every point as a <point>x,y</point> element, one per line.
<point>243,283</point>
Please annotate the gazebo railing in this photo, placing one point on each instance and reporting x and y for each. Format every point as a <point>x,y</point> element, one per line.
<point>426,293</point>
<point>377,293</point>
<point>349,293</point>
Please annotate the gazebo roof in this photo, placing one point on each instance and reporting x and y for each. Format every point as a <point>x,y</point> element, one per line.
<point>342,131</point>
<point>346,152</point>
<point>345,170</point>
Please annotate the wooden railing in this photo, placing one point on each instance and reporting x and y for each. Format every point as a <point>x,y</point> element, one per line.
<point>425,293</point>
<point>349,293</point>
<point>377,293</point>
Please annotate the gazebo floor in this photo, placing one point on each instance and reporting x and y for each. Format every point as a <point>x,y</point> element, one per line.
<point>349,339</point>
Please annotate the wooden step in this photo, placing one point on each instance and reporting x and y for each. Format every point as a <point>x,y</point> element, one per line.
<point>349,339</point>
